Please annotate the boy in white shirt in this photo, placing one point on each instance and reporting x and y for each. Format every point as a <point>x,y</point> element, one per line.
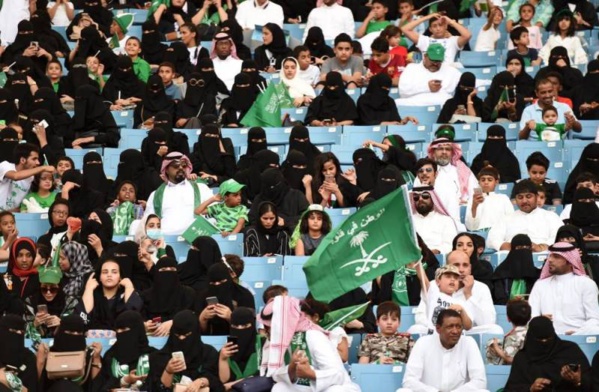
<point>307,72</point>
<point>486,207</point>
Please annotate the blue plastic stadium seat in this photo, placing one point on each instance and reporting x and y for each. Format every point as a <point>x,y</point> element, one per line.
<point>258,288</point>
<point>111,161</point>
<point>589,130</point>
<point>77,155</point>
<point>179,245</point>
<point>295,114</point>
<point>322,136</point>
<point>505,189</point>
<point>482,344</point>
<point>485,73</point>
<point>293,271</point>
<point>192,136</point>
<point>344,154</point>
<point>262,268</point>
<point>408,317</point>
<point>354,135</point>
<point>296,289</point>
<point>573,150</point>
<point>478,59</point>
<point>441,258</point>
<point>139,16</point>
<point>239,136</point>
<point>233,244</point>
<point>354,344</point>
<point>589,344</point>
<point>377,378</point>
<point>32,224</point>
<point>412,133</point>
<point>552,150</point>
<point>123,118</point>
<point>132,138</point>
<point>426,115</point>
<point>497,376</point>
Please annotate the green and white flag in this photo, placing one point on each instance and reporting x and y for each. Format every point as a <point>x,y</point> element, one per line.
<point>266,110</point>
<point>340,317</point>
<point>375,240</point>
<point>200,227</point>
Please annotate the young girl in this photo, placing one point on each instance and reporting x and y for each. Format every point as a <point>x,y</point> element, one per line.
<point>54,73</point>
<point>8,229</point>
<point>189,36</point>
<point>95,70</point>
<point>564,35</point>
<point>141,68</point>
<point>489,34</point>
<point>398,45</point>
<point>329,187</point>
<point>314,225</point>
<point>64,163</point>
<point>299,90</point>
<point>41,195</point>
<point>124,210</point>
<point>527,13</point>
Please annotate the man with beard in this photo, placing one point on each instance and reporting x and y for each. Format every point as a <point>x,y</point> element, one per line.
<point>431,221</point>
<point>224,57</point>
<point>445,360</point>
<point>175,200</point>
<point>539,224</point>
<point>430,82</point>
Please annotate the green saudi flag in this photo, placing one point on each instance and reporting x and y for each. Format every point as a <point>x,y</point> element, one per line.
<point>375,240</point>
<point>266,110</point>
<point>200,227</point>
<point>340,317</point>
<point>114,42</point>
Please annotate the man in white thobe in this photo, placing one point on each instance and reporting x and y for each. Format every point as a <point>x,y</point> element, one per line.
<point>12,12</point>
<point>446,361</point>
<point>333,19</point>
<point>565,294</point>
<point>431,221</point>
<point>254,13</point>
<point>539,224</point>
<point>179,199</point>
<point>430,82</point>
<point>224,57</point>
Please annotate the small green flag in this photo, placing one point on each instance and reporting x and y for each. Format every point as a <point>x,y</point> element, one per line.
<point>199,227</point>
<point>155,5</point>
<point>2,78</point>
<point>342,316</point>
<point>375,240</point>
<point>504,97</point>
<point>266,110</point>
<point>114,42</point>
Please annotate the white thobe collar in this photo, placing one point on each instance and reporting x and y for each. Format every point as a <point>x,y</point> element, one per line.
<point>172,184</point>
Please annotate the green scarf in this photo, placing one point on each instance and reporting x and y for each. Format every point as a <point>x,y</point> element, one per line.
<point>298,341</point>
<point>119,371</point>
<point>518,288</point>
<point>122,217</point>
<point>252,365</point>
<point>159,195</point>
<point>399,288</point>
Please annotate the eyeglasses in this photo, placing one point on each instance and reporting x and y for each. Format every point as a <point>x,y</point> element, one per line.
<point>49,289</point>
<point>61,213</point>
<point>423,195</point>
<point>425,170</point>
<point>177,165</point>
<point>196,82</point>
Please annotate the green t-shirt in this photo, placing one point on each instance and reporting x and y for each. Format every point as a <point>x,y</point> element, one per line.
<point>142,69</point>
<point>55,87</point>
<point>550,133</point>
<point>374,26</point>
<point>227,217</point>
<point>44,202</point>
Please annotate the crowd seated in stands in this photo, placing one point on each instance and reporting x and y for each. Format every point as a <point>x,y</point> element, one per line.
<point>169,173</point>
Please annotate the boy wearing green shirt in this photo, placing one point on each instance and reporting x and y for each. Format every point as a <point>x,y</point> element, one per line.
<point>375,21</point>
<point>141,67</point>
<point>230,215</point>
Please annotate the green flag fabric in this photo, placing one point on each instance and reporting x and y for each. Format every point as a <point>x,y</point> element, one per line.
<point>266,110</point>
<point>373,241</point>
<point>114,42</point>
<point>340,317</point>
<point>155,5</point>
<point>199,227</point>
<point>504,97</point>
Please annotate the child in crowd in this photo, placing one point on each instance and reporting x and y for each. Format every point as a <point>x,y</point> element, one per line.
<point>229,213</point>
<point>519,36</point>
<point>564,35</point>
<point>382,61</point>
<point>541,196</point>
<point>141,67</point>
<point>398,45</point>
<point>316,311</point>
<point>557,81</point>
<point>41,194</point>
<point>486,208</point>
<point>376,19</point>
<point>537,165</point>
<point>95,70</point>
<point>489,34</point>
<point>118,33</point>
<point>549,130</point>
<point>406,9</point>
<point>307,71</point>
<point>62,165</point>
<point>503,353</point>
<point>314,225</point>
<point>8,229</point>
<point>54,73</point>
<point>125,209</point>
<point>438,25</point>
<point>527,13</point>
<point>345,62</point>
<point>388,346</point>
<point>166,71</point>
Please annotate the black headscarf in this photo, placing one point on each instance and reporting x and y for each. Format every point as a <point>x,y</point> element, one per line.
<point>299,139</point>
<point>93,172</point>
<point>368,166</point>
<point>89,108</point>
<point>18,86</point>
<point>63,341</point>
<point>278,45</point>
<point>131,168</point>
<point>269,241</point>
<point>588,162</point>
<point>55,229</point>
<point>241,98</point>
<point>315,41</point>
<point>250,177</point>
<point>45,98</point>
<point>178,55</point>
<point>193,272</point>
<point>12,350</point>
<point>9,139</point>
<point>165,294</point>
<point>573,231</point>
<point>293,175</point>
<point>246,338</point>
<point>156,99</point>
<point>123,83</point>
<point>375,105</point>
<point>517,265</point>
<point>25,35</point>
<point>388,180</point>
<point>587,91</point>
<point>152,50</point>
<point>274,187</point>
<point>525,84</point>
<point>571,77</point>
<point>8,109</point>
<point>543,356</point>
<point>213,84</point>
<point>333,102</point>
<point>494,92</point>
<point>157,137</point>
<point>31,68</point>
<point>78,76</point>
<point>585,215</point>
<point>257,80</point>
<point>198,100</point>
<point>206,155</point>
<point>220,284</point>
<point>254,147</point>
<point>497,153</point>
<point>99,14</point>
<point>398,155</point>
<point>132,344</point>
<point>92,44</point>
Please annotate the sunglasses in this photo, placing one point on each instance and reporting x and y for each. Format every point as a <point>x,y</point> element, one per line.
<point>423,195</point>
<point>425,170</point>
<point>178,165</point>
<point>49,289</point>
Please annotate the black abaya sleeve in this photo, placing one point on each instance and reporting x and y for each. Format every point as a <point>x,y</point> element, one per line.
<point>314,111</point>
<point>110,135</point>
<point>595,372</point>
<point>447,111</point>
<point>261,59</point>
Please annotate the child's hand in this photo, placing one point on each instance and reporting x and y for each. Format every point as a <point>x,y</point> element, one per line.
<point>531,124</point>
<point>225,233</point>
<point>218,197</point>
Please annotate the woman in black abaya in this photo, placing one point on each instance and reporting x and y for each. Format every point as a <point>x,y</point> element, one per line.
<point>204,252</point>
<point>8,109</point>
<point>516,275</point>
<point>585,96</point>
<point>461,97</point>
<point>333,106</point>
<point>152,50</point>
<point>93,173</point>
<point>269,56</point>
<point>93,124</point>
<point>176,141</point>
<point>154,101</point>
<point>250,177</point>
<point>13,352</point>
<point>375,106</point>
<point>494,107</point>
<point>243,95</point>
<point>45,98</point>
<point>299,140</point>
<point>212,83</point>
<point>317,45</point>
<point>525,84</point>
<point>256,142</point>
<point>495,152</point>
<point>585,213</point>
<point>201,360</point>
<point>559,62</point>
<point>78,76</point>
<point>198,101</point>
<point>92,44</point>
<point>588,162</point>
<point>265,237</point>
<point>213,157</point>
<point>123,85</point>
<point>294,169</point>
<point>154,147</point>
<point>367,166</point>
<point>178,55</point>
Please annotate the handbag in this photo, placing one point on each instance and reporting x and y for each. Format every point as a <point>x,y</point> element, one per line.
<point>254,384</point>
<point>68,364</point>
